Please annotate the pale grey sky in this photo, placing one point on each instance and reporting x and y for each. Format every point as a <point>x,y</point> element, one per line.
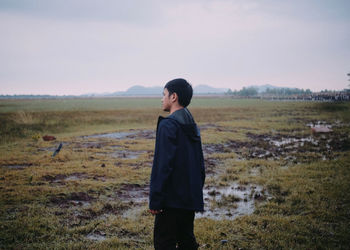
<point>82,46</point>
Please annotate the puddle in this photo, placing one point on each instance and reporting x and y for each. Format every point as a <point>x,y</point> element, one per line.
<point>132,134</point>
<point>96,236</point>
<point>143,134</point>
<point>134,197</point>
<point>260,153</point>
<point>227,147</point>
<point>218,128</point>
<point>50,149</point>
<point>213,148</point>
<point>207,126</point>
<point>72,178</point>
<point>61,178</point>
<point>321,124</point>
<point>232,201</point>
<point>116,135</point>
<point>133,212</point>
<point>297,142</point>
<point>124,154</point>
<point>17,166</point>
<point>83,204</point>
<point>91,145</point>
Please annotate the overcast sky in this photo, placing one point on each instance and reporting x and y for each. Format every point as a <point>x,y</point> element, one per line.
<point>83,46</point>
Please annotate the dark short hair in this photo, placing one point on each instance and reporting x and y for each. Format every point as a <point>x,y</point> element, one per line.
<point>183,90</point>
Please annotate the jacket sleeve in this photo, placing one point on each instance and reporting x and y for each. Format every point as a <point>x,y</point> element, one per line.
<point>201,161</point>
<point>163,163</point>
<point>202,168</point>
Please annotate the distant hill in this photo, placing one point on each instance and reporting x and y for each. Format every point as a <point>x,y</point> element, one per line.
<point>205,89</point>
<point>138,90</point>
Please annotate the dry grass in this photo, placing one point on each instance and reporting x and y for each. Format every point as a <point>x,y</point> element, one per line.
<point>57,203</point>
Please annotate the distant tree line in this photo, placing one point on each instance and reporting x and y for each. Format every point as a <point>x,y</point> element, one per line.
<point>288,91</point>
<point>243,92</point>
<point>251,91</point>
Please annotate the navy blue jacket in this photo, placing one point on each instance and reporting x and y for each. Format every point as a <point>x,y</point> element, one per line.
<point>178,172</point>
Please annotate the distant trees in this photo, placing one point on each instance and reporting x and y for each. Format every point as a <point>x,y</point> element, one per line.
<point>251,91</point>
<point>248,91</point>
<point>328,91</point>
<point>287,91</point>
<point>229,92</point>
<point>243,92</point>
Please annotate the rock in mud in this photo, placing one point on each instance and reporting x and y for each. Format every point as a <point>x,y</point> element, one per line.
<point>321,129</point>
<point>49,138</point>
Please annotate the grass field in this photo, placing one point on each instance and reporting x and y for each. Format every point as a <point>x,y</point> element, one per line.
<point>271,183</point>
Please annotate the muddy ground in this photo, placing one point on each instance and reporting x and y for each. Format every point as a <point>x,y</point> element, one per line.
<point>291,147</point>
<point>221,201</point>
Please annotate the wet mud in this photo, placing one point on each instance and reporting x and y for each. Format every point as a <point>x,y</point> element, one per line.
<point>231,201</point>
<point>96,236</point>
<point>211,165</point>
<point>124,154</point>
<point>133,193</point>
<point>281,146</point>
<point>62,178</point>
<point>215,127</point>
<point>80,199</point>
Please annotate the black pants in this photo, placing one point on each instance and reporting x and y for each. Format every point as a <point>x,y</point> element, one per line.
<point>173,229</point>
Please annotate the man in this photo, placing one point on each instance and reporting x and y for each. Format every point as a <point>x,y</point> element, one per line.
<point>178,174</point>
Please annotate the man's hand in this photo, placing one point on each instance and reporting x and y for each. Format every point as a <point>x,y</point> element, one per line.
<point>154,212</point>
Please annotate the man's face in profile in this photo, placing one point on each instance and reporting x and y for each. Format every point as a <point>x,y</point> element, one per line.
<point>166,101</point>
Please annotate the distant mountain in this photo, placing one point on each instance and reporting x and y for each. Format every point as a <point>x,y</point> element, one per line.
<point>138,90</point>
<point>205,89</point>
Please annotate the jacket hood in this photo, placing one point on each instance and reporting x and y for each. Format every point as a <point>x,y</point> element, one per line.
<point>185,120</point>
<point>183,116</point>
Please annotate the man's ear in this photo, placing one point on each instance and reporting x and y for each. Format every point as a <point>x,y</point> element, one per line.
<point>174,97</point>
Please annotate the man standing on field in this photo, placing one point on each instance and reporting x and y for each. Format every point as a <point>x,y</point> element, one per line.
<point>178,174</point>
